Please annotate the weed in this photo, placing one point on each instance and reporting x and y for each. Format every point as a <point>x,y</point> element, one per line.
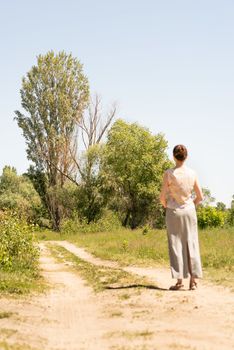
<point>116,314</point>
<point>124,296</point>
<point>5,314</point>
<point>6,346</point>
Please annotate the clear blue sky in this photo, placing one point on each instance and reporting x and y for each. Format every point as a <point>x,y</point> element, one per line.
<point>169,64</point>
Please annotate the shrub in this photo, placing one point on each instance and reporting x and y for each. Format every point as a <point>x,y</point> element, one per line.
<point>108,222</point>
<point>18,194</point>
<point>230,217</point>
<point>211,217</point>
<point>17,248</point>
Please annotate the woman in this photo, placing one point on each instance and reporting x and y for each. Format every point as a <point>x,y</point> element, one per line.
<point>177,196</point>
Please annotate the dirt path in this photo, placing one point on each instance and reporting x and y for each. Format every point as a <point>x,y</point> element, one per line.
<point>70,316</point>
<point>66,317</point>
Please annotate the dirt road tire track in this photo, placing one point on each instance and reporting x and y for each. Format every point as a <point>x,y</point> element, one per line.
<point>70,316</point>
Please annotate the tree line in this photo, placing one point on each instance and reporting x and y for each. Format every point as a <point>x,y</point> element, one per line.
<point>84,160</point>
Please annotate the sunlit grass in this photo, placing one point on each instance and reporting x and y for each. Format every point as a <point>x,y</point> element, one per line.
<point>99,277</point>
<point>151,249</point>
<point>20,282</point>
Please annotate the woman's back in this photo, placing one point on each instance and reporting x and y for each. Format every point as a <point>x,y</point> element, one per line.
<point>177,197</point>
<point>180,185</point>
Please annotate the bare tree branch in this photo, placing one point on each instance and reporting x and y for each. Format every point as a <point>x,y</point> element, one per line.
<point>107,124</point>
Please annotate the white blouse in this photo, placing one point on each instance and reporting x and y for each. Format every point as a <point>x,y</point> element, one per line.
<point>178,185</point>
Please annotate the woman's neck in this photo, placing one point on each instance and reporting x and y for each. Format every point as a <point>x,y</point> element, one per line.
<point>179,163</point>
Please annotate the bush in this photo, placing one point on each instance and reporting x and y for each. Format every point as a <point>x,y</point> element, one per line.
<point>230,217</point>
<point>108,222</point>
<point>17,249</point>
<point>18,194</point>
<point>211,217</point>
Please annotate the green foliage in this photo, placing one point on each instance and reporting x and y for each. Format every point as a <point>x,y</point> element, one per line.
<point>208,199</point>
<point>230,216</point>
<point>108,222</point>
<point>17,248</point>
<point>90,199</point>
<point>133,164</point>
<point>67,197</point>
<point>220,206</point>
<point>18,194</point>
<point>211,217</point>
<point>54,94</point>
<point>38,179</point>
<point>232,202</point>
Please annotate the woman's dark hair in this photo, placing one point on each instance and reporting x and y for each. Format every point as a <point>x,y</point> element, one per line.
<point>180,152</point>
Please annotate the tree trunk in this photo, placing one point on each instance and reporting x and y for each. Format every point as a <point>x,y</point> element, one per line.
<point>54,211</point>
<point>125,222</point>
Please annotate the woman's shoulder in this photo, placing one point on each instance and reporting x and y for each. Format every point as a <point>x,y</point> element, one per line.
<point>169,171</point>
<point>190,170</point>
<point>185,169</point>
<point>191,173</point>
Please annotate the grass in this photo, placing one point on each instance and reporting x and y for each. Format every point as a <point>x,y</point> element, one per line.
<point>129,247</point>
<point>5,314</point>
<point>124,296</point>
<point>6,346</point>
<point>20,283</point>
<point>124,246</point>
<point>49,235</point>
<point>116,314</point>
<point>131,335</point>
<point>99,277</point>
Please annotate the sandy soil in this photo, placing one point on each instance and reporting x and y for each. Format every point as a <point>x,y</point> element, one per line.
<point>70,316</point>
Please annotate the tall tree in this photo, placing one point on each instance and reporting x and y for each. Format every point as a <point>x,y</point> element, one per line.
<point>86,154</point>
<point>54,95</point>
<point>133,164</point>
<point>93,128</point>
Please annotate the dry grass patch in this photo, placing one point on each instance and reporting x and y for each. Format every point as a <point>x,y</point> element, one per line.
<point>100,278</point>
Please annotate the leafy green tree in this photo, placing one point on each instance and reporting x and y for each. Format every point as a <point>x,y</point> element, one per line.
<point>18,194</point>
<point>132,168</point>
<point>90,199</point>
<point>54,95</point>
<point>92,129</point>
<point>221,206</point>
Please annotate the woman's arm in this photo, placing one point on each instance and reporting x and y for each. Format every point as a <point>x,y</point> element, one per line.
<point>164,191</point>
<point>198,191</point>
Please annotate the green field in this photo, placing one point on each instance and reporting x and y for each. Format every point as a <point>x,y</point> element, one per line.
<point>150,249</point>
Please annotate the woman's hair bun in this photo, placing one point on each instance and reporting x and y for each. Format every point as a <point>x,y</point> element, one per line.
<point>180,152</point>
